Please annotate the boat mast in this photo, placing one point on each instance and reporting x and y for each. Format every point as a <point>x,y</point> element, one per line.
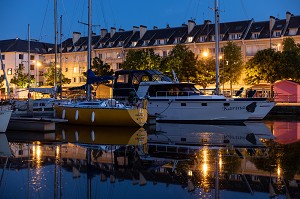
<point>28,63</point>
<point>55,43</point>
<point>217,21</point>
<point>88,92</point>
<point>60,59</point>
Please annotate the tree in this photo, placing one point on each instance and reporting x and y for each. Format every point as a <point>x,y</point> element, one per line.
<point>142,60</point>
<point>232,64</point>
<point>264,66</point>
<point>206,72</point>
<point>290,59</point>
<point>49,76</point>
<point>183,62</point>
<point>20,79</point>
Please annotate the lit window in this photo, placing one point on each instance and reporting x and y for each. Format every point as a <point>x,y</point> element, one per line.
<point>190,39</point>
<point>75,70</point>
<point>9,71</point>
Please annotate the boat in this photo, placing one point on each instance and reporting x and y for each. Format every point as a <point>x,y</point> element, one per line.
<point>5,116</point>
<point>109,112</point>
<point>171,101</point>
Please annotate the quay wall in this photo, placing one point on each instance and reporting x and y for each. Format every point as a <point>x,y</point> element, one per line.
<point>292,109</point>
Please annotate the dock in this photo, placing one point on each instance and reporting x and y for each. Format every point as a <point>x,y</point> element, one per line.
<point>33,124</point>
<point>291,109</point>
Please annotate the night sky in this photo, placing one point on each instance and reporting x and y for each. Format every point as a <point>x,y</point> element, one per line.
<point>17,14</point>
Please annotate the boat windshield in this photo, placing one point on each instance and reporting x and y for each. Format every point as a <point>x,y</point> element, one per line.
<point>173,90</point>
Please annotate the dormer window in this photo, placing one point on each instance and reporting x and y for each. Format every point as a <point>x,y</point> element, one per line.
<point>277,33</point>
<point>121,43</point>
<point>110,44</point>
<point>133,44</point>
<point>157,42</point>
<point>235,36</point>
<point>202,39</point>
<point>255,35</point>
<point>293,31</point>
<point>146,43</point>
<point>221,37</point>
<point>177,40</point>
<point>190,39</point>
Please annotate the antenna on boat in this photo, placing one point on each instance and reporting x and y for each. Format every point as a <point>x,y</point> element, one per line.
<point>175,76</point>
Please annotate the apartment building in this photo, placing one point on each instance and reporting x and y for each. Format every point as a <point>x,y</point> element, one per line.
<point>111,46</point>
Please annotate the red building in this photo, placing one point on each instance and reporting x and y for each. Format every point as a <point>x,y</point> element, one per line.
<point>287,91</point>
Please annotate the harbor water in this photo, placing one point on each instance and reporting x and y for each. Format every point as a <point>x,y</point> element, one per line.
<point>245,160</point>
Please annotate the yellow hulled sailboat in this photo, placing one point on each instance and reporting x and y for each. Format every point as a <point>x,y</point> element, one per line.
<point>102,113</point>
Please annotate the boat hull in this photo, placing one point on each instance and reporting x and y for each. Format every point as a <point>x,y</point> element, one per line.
<point>5,116</point>
<point>186,110</point>
<point>102,116</point>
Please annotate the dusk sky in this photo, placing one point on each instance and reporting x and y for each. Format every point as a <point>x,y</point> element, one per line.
<point>17,14</point>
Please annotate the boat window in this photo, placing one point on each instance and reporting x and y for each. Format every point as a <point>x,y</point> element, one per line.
<point>183,104</point>
<point>145,78</point>
<point>226,104</point>
<point>203,104</point>
<point>123,78</point>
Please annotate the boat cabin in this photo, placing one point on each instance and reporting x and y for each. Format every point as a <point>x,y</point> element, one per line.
<point>129,80</point>
<point>150,83</point>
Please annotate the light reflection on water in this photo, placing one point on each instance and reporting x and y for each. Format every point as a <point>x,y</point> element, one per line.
<point>162,161</point>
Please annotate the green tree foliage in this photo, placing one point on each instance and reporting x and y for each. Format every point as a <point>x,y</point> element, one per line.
<point>49,76</point>
<point>20,79</point>
<point>183,62</point>
<point>231,65</point>
<point>264,66</point>
<point>290,59</point>
<point>206,72</point>
<point>99,68</point>
<point>142,60</point>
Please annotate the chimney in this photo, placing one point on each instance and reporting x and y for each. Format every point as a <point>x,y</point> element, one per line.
<point>154,27</point>
<point>93,34</point>
<point>207,22</point>
<point>121,30</point>
<point>76,37</point>
<point>143,30</point>
<point>183,25</point>
<point>191,25</point>
<point>135,28</point>
<point>112,31</point>
<point>272,23</point>
<point>288,17</point>
<point>103,32</point>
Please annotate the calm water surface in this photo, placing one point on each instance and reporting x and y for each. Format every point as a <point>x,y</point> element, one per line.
<point>249,160</point>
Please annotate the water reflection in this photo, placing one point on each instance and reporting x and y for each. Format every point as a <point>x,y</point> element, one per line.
<point>250,160</point>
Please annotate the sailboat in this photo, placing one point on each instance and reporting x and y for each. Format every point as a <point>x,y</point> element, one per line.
<point>109,112</point>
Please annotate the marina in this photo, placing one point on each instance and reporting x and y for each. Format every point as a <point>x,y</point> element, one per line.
<point>206,110</point>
